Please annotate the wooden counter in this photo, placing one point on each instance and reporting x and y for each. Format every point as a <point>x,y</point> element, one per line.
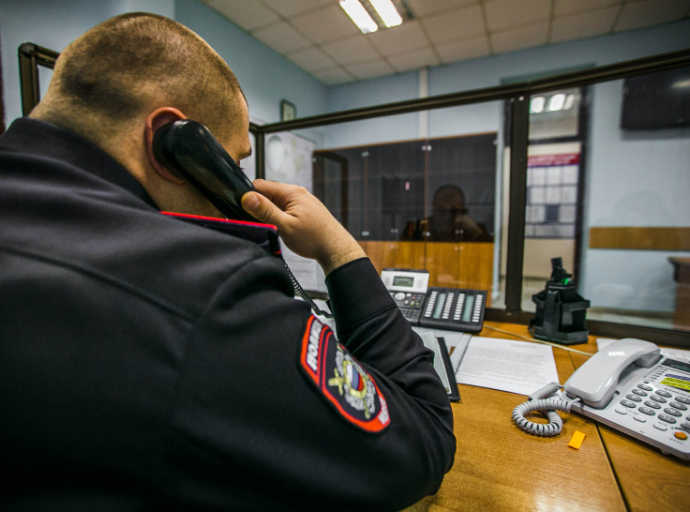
<point>500,467</point>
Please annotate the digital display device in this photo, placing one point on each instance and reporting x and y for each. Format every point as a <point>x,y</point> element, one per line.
<point>403,281</point>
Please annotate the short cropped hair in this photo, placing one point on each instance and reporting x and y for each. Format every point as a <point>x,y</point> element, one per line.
<point>139,61</point>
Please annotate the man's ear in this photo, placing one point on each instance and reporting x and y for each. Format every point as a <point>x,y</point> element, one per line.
<point>154,121</point>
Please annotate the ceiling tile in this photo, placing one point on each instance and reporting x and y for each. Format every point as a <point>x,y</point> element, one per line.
<point>282,37</point>
<point>289,8</point>
<point>325,25</point>
<point>247,15</point>
<point>650,12</point>
<point>354,49</point>
<point>589,24</point>
<point>459,24</point>
<point>565,7</point>
<point>462,50</point>
<point>363,70</point>
<point>414,60</point>
<point>311,59</point>
<point>422,8</point>
<point>396,40</point>
<point>503,14</point>
<point>334,76</point>
<point>519,38</point>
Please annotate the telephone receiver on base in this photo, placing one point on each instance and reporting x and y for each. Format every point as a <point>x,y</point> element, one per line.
<point>595,382</point>
<point>629,386</point>
<point>188,148</point>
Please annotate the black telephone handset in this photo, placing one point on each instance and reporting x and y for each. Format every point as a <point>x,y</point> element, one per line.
<point>190,149</point>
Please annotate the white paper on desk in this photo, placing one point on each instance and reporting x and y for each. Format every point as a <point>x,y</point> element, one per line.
<point>675,353</point>
<point>514,366</point>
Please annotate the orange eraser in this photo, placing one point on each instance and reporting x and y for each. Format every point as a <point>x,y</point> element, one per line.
<point>576,440</point>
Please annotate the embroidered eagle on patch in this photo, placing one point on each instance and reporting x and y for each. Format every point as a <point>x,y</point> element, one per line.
<point>341,378</point>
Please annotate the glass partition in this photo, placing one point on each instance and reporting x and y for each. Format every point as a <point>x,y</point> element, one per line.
<point>635,252</point>
<point>426,202</point>
<point>556,162</point>
<point>610,199</point>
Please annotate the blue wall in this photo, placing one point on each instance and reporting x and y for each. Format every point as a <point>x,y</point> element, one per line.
<point>266,77</point>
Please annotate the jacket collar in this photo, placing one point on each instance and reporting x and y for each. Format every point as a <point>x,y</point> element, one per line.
<point>41,138</point>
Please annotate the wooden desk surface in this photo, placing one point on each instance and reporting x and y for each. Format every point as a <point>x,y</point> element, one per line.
<point>500,467</point>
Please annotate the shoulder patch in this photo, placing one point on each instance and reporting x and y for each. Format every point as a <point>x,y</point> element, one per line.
<point>341,379</point>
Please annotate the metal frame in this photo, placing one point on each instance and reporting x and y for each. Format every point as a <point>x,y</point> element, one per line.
<point>30,56</point>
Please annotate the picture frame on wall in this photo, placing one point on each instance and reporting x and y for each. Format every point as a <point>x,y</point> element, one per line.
<point>288,112</point>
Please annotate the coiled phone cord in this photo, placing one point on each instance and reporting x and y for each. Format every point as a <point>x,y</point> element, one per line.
<point>303,295</point>
<point>542,401</point>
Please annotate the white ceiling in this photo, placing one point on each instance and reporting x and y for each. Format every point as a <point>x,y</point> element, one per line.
<point>318,36</point>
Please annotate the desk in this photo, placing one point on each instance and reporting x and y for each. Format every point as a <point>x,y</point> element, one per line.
<point>499,467</point>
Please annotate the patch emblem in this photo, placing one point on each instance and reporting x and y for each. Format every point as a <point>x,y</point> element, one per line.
<point>341,379</point>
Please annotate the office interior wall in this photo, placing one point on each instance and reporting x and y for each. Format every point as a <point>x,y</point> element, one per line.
<point>634,178</point>
<point>613,153</point>
<point>266,77</point>
<point>46,23</point>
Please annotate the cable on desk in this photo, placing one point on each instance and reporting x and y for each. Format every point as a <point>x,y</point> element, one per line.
<point>542,401</point>
<point>537,341</point>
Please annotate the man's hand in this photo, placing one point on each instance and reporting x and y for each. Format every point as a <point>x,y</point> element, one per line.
<point>304,223</point>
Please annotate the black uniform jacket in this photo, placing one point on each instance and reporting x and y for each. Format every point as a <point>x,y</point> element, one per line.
<point>148,363</point>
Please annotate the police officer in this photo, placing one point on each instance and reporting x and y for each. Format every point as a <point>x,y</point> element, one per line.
<point>148,363</point>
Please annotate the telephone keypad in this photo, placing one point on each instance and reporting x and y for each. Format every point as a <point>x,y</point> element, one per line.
<point>683,400</point>
<point>645,387</point>
<point>658,399</point>
<point>667,418</point>
<point>454,309</point>
<point>634,398</point>
<point>628,403</point>
<point>640,392</point>
<point>672,412</point>
<point>678,406</point>
<point>686,426</point>
<point>651,404</point>
<point>646,410</point>
<point>663,393</point>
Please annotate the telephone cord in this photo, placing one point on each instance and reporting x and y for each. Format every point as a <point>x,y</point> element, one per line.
<point>543,402</point>
<point>303,295</point>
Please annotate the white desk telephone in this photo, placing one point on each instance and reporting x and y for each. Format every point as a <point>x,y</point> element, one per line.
<point>629,386</point>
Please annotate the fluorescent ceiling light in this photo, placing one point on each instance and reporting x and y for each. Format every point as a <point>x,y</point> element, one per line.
<point>537,104</point>
<point>359,15</point>
<point>389,14</point>
<point>556,102</point>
